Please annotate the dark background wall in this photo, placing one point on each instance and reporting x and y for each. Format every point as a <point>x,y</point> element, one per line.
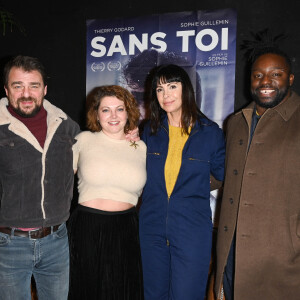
<point>55,33</point>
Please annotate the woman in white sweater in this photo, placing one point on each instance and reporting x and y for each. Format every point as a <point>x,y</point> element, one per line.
<point>105,258</point>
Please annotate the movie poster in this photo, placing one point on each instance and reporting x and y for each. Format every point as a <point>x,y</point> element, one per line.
<point>123,51</point>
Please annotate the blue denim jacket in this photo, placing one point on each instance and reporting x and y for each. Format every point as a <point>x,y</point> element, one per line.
<point>202,155</point>
<point>36,184</point>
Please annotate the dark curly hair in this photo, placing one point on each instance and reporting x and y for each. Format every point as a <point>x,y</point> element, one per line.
<point>264,42</point>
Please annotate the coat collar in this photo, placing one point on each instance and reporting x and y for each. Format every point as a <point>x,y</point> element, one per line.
<point>54,117</point>
<point>287,108</point>
<point>7,118</point>
<point>284,109</point>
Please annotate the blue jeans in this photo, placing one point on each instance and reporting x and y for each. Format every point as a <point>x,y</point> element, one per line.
<point>47,259</point>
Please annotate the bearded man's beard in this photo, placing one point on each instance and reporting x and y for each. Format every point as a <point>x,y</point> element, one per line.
<point>280,95</point>
<point>23,113</point>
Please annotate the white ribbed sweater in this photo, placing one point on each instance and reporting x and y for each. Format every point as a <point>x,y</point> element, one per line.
<point>109,168</point>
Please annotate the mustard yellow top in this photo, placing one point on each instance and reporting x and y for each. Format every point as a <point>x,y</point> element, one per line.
<point>177,141</point>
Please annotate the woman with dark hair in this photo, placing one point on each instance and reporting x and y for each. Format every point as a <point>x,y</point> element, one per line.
<point>183,149</point>
<point>105,260</point>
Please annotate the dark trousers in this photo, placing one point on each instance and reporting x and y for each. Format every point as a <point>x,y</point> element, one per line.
<point>228,280</point>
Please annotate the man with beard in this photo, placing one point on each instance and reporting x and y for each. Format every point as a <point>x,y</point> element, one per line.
<point>36,185</point>
<point>258,245</point>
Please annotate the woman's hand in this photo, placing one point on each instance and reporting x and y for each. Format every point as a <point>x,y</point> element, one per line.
<point>133,135</point>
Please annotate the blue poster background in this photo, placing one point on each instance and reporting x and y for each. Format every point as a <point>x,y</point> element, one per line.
<point>123,51</point>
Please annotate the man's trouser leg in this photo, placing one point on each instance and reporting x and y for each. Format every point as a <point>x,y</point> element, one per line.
<point>46,258</point>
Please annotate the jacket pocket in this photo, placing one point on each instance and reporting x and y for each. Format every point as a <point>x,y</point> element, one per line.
<point>199,160</point>
<point>11,155</point>
<point>12,193</point>
<point>4,239</point>
<point>62,231</point>
<point>295,233</point>
<point>198,165</point>
<point>153,153</point>
<point>154,166</point>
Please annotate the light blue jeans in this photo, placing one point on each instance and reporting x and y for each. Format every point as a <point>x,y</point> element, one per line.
<point>47,259</point>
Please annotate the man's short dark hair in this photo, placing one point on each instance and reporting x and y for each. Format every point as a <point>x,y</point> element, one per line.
<point>26,63</point>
